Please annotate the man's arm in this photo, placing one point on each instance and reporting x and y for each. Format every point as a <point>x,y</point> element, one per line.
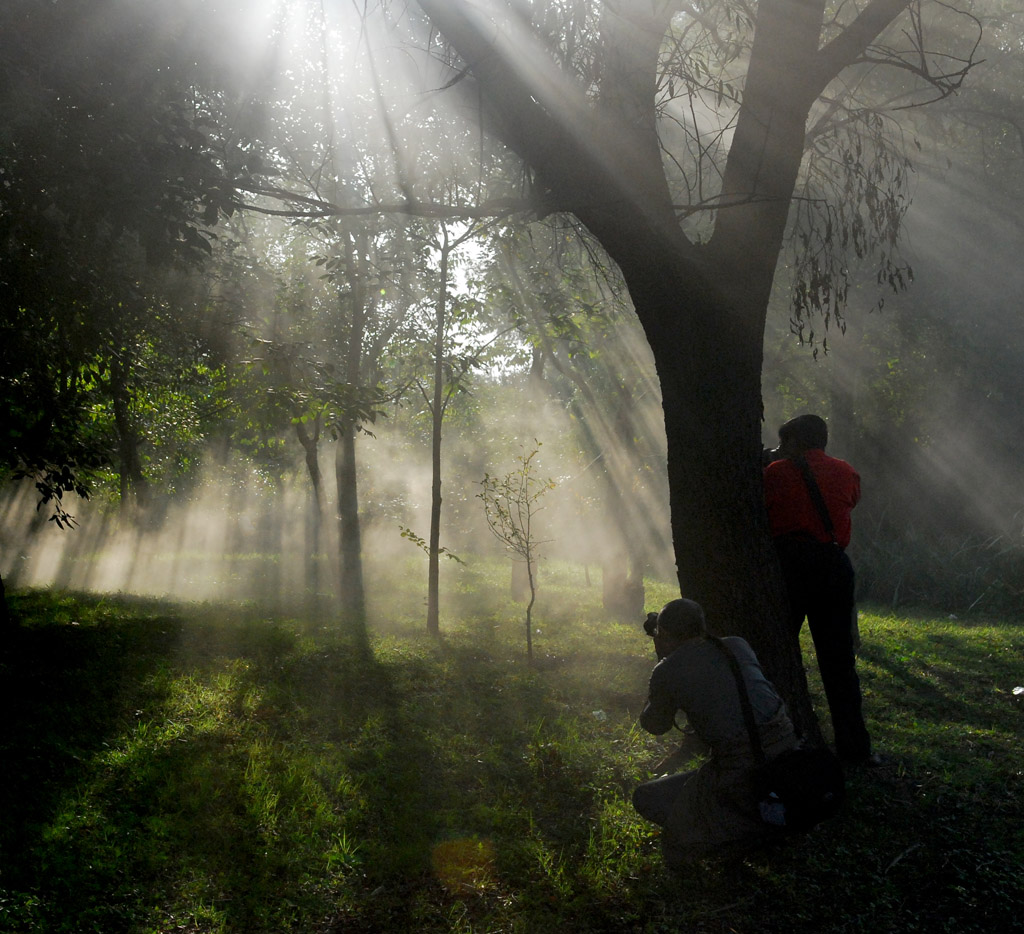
<point>690,746</point>
<point>659,714</point>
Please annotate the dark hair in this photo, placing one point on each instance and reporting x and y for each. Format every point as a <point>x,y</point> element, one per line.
<point>807,431</point>
<point>683,619</point>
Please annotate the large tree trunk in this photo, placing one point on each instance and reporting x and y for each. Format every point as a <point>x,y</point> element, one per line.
<point>704,319</point>
<point>711,396</point>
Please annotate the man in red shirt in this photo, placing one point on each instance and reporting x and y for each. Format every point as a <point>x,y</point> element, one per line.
<point>818,572</point>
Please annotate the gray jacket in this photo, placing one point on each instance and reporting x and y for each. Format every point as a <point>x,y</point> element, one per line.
<point>698,680</point>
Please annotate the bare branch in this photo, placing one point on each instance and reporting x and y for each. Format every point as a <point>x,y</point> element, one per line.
<point>854,45</point>
<point>314,207</point>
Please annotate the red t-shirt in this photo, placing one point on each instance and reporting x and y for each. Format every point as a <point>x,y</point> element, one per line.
<point>790,507</point>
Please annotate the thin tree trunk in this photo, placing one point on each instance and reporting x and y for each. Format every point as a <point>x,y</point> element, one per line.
<point>131,483</point>
<point>271,549</point>
<point>437,421</point>
<point>353,595</point>
<point>310,446</point>
<point>635,525</point>
<point>529,610</point>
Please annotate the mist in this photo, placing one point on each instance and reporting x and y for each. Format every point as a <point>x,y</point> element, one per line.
<point>921,396</point>
<point>240,535</point>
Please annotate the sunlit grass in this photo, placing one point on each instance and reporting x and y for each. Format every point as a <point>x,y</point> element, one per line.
<point>213,769</point>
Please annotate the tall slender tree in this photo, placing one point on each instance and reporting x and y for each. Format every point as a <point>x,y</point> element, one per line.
<point>451,361</point>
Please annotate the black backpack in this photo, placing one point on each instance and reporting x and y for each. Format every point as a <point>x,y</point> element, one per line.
<point>800,788</point>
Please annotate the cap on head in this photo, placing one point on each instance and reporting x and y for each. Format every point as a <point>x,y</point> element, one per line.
<point>807,432</point>
<point>682,619</point>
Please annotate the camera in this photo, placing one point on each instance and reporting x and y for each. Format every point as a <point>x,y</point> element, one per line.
<point>768,455</point>
<point>651,628</point>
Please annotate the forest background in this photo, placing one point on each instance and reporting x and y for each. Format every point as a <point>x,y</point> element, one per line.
<point>189,332</point>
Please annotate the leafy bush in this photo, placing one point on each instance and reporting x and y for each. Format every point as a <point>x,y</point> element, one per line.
<point>962,573</point>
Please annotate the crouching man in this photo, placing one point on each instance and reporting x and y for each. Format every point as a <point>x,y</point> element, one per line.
<point>713,809</point>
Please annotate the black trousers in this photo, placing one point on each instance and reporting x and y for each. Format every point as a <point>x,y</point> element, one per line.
<point>819,581</point>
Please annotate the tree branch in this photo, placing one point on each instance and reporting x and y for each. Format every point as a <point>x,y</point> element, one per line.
<point>853,42</point>
<point>314,207</point>
<point>541,111</point>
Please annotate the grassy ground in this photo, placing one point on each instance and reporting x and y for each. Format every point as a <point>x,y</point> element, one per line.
<point>194,769</point>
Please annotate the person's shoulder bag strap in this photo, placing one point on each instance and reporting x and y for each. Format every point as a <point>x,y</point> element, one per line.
<point>816,496</point>
<point>741,687</point>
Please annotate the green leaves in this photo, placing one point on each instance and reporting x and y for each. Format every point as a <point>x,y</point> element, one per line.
<point>112,173</point>
<point>421,543</point>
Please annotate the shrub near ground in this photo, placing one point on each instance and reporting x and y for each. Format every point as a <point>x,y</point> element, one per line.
<point>211,770</point>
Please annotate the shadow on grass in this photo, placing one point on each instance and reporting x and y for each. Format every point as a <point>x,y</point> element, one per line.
<point>946,676</point>
<point>228,772</point>
<point>127,756</point>
<point>72,686</point>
